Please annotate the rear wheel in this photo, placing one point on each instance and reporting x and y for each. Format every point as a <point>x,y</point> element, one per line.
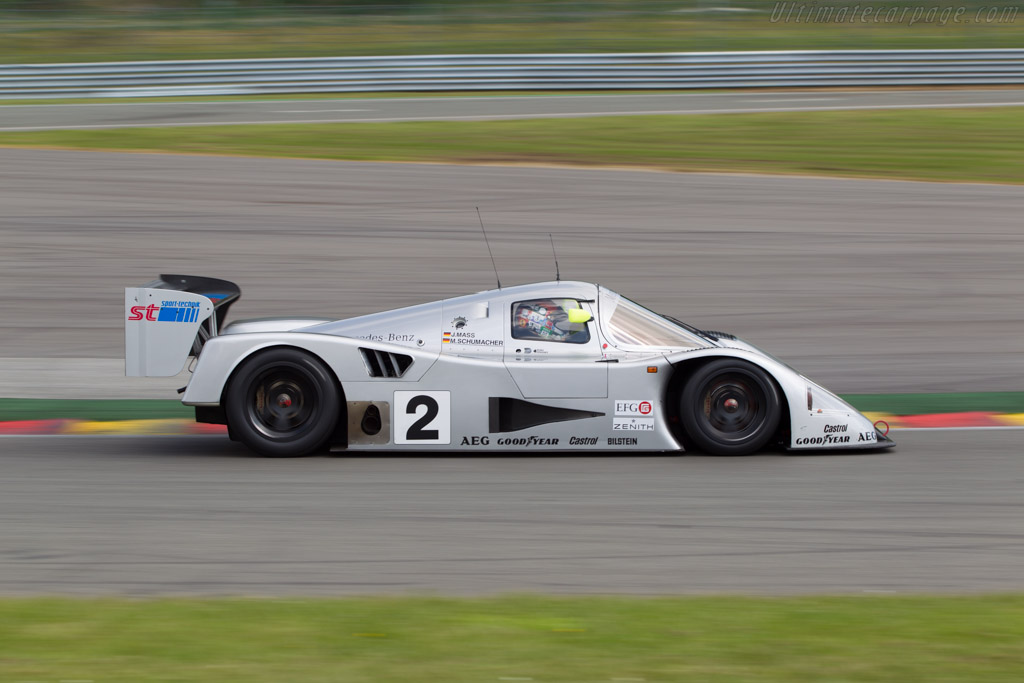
<point>283,402</point>
<point>730,407</point>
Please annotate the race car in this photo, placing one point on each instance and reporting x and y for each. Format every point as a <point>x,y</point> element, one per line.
<point>553,366</point>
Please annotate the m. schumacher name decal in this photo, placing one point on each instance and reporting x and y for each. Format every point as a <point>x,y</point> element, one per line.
<point>468,339</point>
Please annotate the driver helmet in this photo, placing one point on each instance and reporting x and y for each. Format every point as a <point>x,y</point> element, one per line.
<point>542,319</point>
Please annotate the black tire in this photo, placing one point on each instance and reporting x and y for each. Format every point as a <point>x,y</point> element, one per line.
<point>730,407</point>
<point>282,403</point>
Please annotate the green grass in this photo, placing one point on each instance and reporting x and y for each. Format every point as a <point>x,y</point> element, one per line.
<point>83,409</point>
<point>985,145</point>
<point>150,409</point>
<point>714,639</point>
<point>673,26</point>
<point>921,404</point>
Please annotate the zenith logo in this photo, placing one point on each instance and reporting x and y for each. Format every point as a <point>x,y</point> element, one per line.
<point>166,314</point>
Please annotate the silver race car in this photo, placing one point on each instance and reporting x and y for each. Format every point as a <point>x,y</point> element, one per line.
<point>553,366</point>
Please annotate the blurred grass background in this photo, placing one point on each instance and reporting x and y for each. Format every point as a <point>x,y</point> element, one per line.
<point>982,145</point>
<point>716,639</point>
<point>105,30</point>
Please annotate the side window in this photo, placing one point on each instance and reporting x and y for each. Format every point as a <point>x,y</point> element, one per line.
<point>548,320</point>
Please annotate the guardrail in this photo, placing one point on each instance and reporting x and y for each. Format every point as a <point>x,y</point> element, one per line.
<point>686,70</point>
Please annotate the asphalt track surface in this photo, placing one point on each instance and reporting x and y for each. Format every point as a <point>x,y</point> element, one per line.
<point>866,286</point>
<point>118,114</point>
<point>944,512</point>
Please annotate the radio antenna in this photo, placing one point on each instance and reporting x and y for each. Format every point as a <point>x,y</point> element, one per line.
<point>558,276</point>
<point>498,279</point>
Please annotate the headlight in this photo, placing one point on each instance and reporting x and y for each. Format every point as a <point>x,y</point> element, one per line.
<point>821,400</point>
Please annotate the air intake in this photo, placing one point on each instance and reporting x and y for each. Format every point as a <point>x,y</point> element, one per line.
<point>385,363</point>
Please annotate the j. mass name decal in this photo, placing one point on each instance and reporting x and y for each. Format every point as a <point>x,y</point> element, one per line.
<point>469,339</point>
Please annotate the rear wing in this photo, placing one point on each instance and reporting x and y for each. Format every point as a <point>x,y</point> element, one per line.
<point>170,319</point>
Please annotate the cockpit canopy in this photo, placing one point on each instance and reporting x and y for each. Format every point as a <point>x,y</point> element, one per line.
<point>630,326</point>
<point>550,320</point>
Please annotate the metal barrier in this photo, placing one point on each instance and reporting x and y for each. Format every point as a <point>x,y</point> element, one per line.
<point>685,70</point>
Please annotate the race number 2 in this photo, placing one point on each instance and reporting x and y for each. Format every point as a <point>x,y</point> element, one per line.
<point>423,417</point>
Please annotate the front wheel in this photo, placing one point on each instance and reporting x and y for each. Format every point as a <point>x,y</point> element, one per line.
<point>283,403</point>
<point>730,407</point>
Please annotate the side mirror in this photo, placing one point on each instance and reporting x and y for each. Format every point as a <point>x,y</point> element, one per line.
<point>578,316</point>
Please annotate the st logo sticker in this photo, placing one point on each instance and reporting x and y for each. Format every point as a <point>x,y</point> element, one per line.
<point>423,417</point>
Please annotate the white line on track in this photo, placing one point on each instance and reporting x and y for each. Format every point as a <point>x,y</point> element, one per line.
<point>511,117</point>
<point>312,111</point>
<point>796,100</point>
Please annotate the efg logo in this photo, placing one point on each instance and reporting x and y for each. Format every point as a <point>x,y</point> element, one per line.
<point>634,407</point>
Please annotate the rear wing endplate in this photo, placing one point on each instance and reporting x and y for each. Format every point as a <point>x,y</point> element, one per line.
<point>170,319</point>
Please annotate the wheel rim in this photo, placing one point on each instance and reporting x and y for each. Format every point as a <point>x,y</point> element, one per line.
<point>733,407</point>
<point>282,401</point>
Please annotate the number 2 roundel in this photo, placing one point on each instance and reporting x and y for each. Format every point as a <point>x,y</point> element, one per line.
<point>423,417</point>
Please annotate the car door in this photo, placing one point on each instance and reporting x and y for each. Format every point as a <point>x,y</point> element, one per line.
<point>550,356</point>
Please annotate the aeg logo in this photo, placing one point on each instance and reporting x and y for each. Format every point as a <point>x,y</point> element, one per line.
<point>633,407</point>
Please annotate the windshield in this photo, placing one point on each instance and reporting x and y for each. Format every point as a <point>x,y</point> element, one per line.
<point>627,323</point>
